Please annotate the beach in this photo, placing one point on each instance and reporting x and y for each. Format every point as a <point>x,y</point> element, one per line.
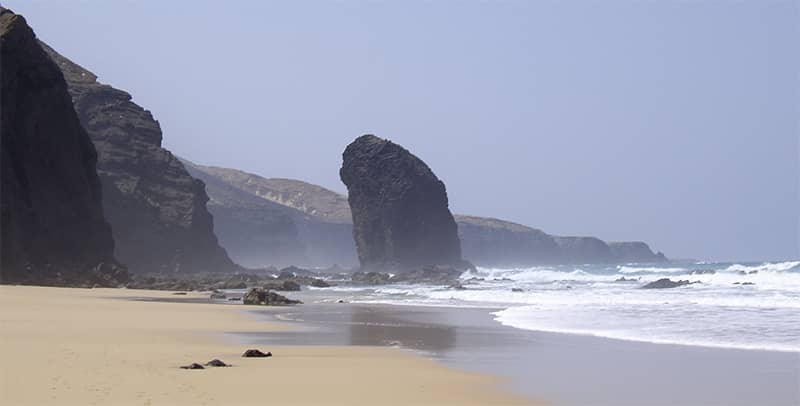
<point>115,346</point>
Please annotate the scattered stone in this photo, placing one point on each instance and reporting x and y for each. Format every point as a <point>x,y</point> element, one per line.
<point>233,299</point>
<point>193,365</point>
<point>665,283</point>
<point>517,290</point>
<point>624,279</point>
<point>216,363</point>
<point>743,283</point>
<point>340,301</point>
<point>254,353</point>
<point>178,293</point>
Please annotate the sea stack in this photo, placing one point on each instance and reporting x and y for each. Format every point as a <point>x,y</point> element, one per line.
<point>156,209</point>
<point>401,219</point>
<point>53,228</point>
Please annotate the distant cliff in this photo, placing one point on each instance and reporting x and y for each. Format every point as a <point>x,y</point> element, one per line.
<point>278,222</point>
<point>156,209</point>
<point>401,218</point>
<point>264,221</point>
<point>53,229</point>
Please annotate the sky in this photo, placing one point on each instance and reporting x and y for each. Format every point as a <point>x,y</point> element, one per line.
<point>671,122</point>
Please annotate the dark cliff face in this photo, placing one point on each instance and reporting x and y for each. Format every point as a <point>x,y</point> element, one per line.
<point>278,222</point>
<point>53,229</point>
<point>156,209</point>
<point>401,218</point>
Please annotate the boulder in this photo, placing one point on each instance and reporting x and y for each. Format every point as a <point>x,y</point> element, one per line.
<point>666,283</point>
<point>255,353</point>
<point>401,219</point>
<point>193,365</point>
<point>216,363</point>
<point>261,296</point>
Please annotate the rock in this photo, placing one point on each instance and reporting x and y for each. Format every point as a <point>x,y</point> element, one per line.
<point>261,296</point>
<point>517,290</point>
<point>233,299</point>
<point>584,250</point>
<point>666,283</point>
<point>624,279</point>
<point>458,286</point>
<point>703,272</point>
<point>216,363</point>
<point>254,353</point>
<point>319,283</point>
<point>744,283</point>
<point>340,301</point>
<point>218,295</point>
<point>370,278</point>
<point>53,230</point>
<point>290,286</point>
<point>634,252</point>
<point>234,285</point>
<point>436,275</point>
<point>178,293</point>
<point>401,219</point>
<point>157,211</point>
<point>193,365</point>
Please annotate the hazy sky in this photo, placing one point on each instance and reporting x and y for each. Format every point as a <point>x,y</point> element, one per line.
<point>673,122</point>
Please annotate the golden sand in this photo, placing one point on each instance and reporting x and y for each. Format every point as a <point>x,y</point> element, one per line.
<point>94,347</point>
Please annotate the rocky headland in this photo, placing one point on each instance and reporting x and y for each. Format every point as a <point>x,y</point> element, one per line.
<point>53,228</point>
<point>156,209</point>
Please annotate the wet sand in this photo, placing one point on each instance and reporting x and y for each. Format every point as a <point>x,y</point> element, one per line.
<point>556,368</point>
<point>124,347</point>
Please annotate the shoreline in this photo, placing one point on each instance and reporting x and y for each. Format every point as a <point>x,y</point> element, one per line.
<point>96,346</point>
<point>552,366</point>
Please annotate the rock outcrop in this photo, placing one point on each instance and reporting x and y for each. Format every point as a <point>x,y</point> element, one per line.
<point>261,296</point>
<point>634,251</point>
<point>156,209</point>
<point>666,283</point>
<point>401,218</point>
<point>53,228</point>
<point>279,222</point>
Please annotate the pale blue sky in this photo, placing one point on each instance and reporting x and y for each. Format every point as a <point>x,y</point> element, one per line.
<point>673,122</point>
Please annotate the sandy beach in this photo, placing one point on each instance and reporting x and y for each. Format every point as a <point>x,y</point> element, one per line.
<point>97,346</point>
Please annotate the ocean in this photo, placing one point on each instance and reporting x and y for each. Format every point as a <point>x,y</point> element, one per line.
<point>735,305</point>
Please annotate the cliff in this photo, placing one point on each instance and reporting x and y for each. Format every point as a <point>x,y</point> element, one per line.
<point>53,229</point>
<point>280,222</point>
<point>498,243</point>
<point>401,219</point>
<point>156,209</point>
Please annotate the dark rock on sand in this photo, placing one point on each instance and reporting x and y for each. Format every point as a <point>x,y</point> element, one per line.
<point>666,283</point>
<point>53,228</point>
<point>401,219</point>
<point>156,209</point>
<point>517,290</point>
<point>193,365</point>
<point>254,353</point>
<point>261,296</point>
<point>216,363</point>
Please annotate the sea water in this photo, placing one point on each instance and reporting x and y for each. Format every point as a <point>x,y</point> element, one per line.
<point>735,305</point>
